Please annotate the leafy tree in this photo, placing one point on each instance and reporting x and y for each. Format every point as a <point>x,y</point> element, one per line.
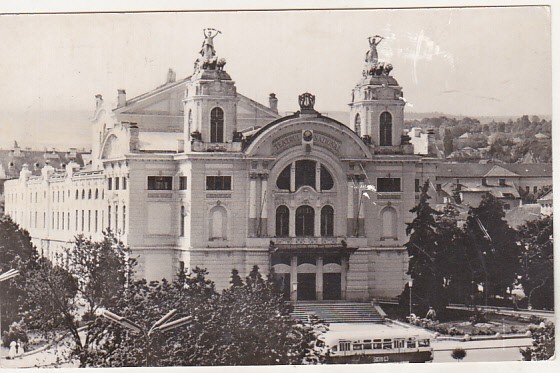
<point>490,246</point>
<point>247,324</point>
<point>537,262</point>
<point>235,278</point>
<point>458,354</point>
<point>425,256</point>
<point>59,298</point>
<point>543,343</point>
<point>16,252</point>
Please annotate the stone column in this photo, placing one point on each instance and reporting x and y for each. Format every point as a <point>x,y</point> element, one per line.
<point>252,204</point>
<point>361,214</point>
<point>293,278</point>
<point>264,206</point>
<point>292,227</point>
<point>343,275</point>
<point>293,177</point>
<point>317,221</point>
<point>318,177</point>
<point>350,208</point>
<point>319,278</point>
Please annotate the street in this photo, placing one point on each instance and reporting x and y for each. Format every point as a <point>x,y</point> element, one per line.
<point>477,351</point>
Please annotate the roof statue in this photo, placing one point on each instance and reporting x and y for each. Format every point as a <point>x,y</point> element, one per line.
<point>209,59</point>
<point>373,65</point>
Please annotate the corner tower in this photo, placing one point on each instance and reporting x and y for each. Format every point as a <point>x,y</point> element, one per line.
<point>377,107</point>
<point>210,103</point>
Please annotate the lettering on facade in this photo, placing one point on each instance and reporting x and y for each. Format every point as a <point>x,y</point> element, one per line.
<point>294,138</point>
<point>218,195</point>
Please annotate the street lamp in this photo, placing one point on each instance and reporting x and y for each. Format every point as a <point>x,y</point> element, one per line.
<point>3,277</point>
<point>162,325</point>
<point>410,296</point>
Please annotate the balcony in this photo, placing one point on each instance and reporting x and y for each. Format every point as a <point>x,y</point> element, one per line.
<point>315,245</point>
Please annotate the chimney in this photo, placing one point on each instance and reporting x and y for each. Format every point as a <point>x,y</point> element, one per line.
<point>72,153</point>
<point>273,102</point>
<point>180,145</point>
<point>121,98</point>
<point>134,139</point>
<point>98,101</point>
<point>432,150</point>
<point>171,76</point>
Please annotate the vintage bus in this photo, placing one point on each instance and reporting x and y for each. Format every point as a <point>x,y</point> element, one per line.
<point>377,343</point>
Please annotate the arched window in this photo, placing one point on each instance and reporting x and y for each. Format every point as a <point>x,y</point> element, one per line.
<point>217,125</point>
<point>182,225</point>
<point>388,223</point>
<point>218,223</point>
<point>305,221</point>
<point>385,129</point>
<point>327,221</point>
<point>83,194</point>
<point>282,221</point>
<point>89,194</point>
<point>96,193</point>
<point>77,194</point>
<point>283,181</point>
<point>305,173</point>
<point>358,125</point>
<point>327,181</point>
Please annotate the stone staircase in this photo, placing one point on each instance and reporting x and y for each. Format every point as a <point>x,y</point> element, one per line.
<point>337,311</point>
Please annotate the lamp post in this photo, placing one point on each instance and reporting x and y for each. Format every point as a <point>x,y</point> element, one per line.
<point>410,297</point>
<point>3,277</point>
<point>162,325</point>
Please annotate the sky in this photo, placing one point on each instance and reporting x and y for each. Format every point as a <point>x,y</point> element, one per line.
<point>460,61</point>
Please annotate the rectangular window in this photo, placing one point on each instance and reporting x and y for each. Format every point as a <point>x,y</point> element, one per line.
<point>535,190</point>
<point>160,183</point>
<point>68,221</point>
<point>83,219</point>
<point>76,225</point>
<point>502,182</point>
<point>218,182</point>
<point>96,220</point>
<point>117,219</point>
<point>388,184</point>
<point>62,223</point>
<point>124,218</point>
<point>109,183</point>
<point>124,183</point>
<point>89,220</point>
<point>109,217</point>
<point>527,189</point>
<point>182,183</point>
<point>417,185</point>
<point>117,179</point>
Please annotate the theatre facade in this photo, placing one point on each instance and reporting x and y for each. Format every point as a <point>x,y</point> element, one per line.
<point>194,174</point>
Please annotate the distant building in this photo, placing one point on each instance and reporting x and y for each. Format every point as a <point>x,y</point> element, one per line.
<point>545,203</point>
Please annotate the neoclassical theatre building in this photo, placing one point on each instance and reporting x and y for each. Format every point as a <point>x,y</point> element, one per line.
<point>193,173</point>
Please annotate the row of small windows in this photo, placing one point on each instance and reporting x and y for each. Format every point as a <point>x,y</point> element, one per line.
<point>385,128</point>
<point>166,183</point>
<point>84,220</point>
<point>114,183</point>
<point>90,194</point>
<point>305,174</point>
<point>60,195</point>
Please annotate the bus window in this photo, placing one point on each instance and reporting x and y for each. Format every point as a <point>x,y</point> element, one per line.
<point>344,346</point>
<point>367,344</point>
<point>410,343</point>
<point>356,346</point>
<point>377,344</point>
<point>399,343</point>
<point>387,344</point>
<point>423,343</point>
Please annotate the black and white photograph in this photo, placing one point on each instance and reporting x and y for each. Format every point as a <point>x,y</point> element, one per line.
<point>261,186</point>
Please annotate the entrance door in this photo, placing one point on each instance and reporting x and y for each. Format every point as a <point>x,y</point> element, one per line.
<point>306,286</point>
<point>282,282</point>
<point>332,289</point>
